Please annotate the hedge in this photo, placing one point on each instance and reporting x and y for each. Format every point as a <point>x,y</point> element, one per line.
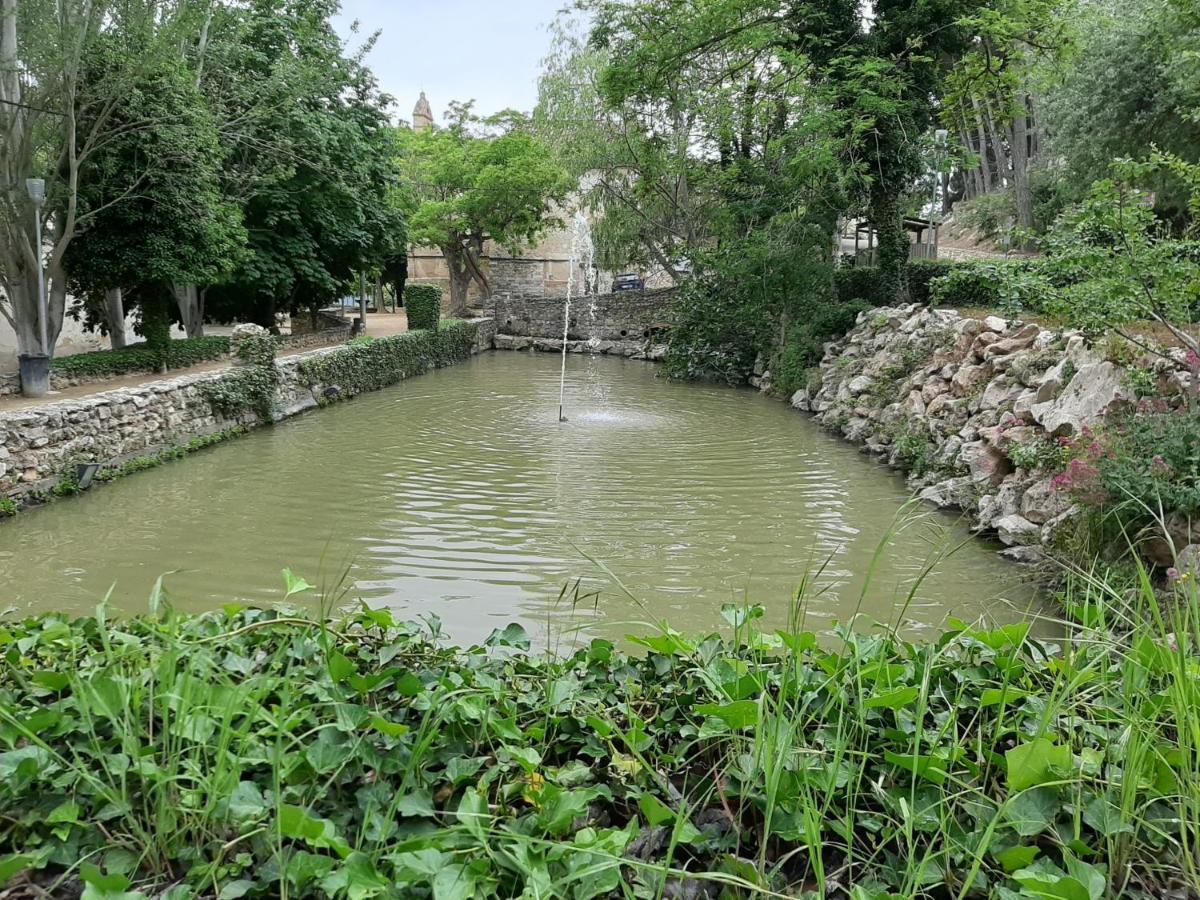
<point>368,364</point>
<point>424,305</point>
<point>1002,285</point>
<point>921,273</point>
<point>143,358</point>
<point>859,283</point>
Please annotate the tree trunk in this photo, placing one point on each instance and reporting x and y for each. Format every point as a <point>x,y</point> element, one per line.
<point>993,140</point>
<point>114,315</point>
<point>460,279</point>
<point>1020,162</point>
<point>191,308</point>
<point>985,170</point>
<point>892,252</point>
<point>362,298</point>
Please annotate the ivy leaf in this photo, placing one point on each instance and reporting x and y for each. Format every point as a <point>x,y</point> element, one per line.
<point>320,834</point>
<point>294,584</point>
<point>1036,762</point>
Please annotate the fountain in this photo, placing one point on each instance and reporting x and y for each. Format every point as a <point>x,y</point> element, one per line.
<point>581,236</point>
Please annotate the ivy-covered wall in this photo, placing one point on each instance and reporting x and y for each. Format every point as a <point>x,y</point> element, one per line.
<point>39,446</point>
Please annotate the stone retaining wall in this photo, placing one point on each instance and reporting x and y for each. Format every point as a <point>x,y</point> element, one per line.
<point>630,316</point>
<point>10,384</point>
<point>962,401</point>
<point>38,444</point>
<point>639,349</point>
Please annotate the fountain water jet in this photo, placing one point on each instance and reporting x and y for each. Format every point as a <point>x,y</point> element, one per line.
<point>581,229</point>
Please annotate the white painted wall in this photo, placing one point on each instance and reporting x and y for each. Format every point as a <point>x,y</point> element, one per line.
<point>72,340</point>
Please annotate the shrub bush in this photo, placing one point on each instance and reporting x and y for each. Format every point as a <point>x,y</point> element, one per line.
<point>1142,469</point>
<point>1011,287</point>
<point>805,343</point>
<point>362,751</point>
<point>921,273</point>
<point>143,357</point>
<point>370,365</point>
<point>859,283</point>
<point>423,303</point>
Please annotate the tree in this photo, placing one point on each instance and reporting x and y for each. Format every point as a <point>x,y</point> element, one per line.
<point>308,157</point>
<point>53,119</point>
<point>155,216</point>
<point>464,186</point>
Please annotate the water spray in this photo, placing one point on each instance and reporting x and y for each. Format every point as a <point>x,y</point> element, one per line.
<point>580,222</point>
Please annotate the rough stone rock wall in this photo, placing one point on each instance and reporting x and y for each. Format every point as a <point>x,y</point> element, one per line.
<point>39,444</point>
<point>627,316</point>
<point>964,404</point>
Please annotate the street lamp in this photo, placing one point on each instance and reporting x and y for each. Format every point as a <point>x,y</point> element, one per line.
<point>939,144</point>
<point>36,188</point>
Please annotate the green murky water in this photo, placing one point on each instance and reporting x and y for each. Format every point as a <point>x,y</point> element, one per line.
<point>458,494</point>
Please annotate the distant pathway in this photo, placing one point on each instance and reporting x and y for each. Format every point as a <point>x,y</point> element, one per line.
<point>378,325</point>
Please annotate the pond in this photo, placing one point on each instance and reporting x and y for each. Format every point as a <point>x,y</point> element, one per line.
<point>459,494</point>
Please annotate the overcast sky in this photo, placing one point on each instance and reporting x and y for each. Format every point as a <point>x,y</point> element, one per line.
<point>489,50</point>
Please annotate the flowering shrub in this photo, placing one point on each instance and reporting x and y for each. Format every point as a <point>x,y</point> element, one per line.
<point>1139,471</point>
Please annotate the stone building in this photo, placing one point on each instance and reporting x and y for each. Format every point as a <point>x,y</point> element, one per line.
<point>539,271</point>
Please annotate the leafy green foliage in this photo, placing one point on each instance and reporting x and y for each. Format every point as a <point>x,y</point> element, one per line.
<point>1117,263</point>
<point>1008,287</point>
<point>423,303</point>
<point>740,298</point>
<point>249,388</point>
<point>462,186</point>
<point>8,508</point>
<point>361,758</point>
<point>1139,472</point>
<point>859,283</point>
<point>803,345</point>
<point>375,363</point>
<point>143,358</point>
<point>921,273</point>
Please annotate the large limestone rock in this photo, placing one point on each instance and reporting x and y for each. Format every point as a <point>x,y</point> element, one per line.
<point>1096,389</point>
<point>1017,530</point>
<point>1041,503</point>
<point>987,465</point>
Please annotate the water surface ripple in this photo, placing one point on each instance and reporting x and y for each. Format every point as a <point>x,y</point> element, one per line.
<point>458,494</point>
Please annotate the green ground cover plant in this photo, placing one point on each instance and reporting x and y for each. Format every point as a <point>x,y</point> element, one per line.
<point>247,753</point>
<point>372,363</point>
<point>179,354</point>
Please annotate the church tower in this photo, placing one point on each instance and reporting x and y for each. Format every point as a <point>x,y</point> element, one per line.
<point>422,119</point>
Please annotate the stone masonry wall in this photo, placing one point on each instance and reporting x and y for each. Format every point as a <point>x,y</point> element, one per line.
<point>967,399</point>
<point>631,315</point>
<point>38,444</point>
<point>630,324</point>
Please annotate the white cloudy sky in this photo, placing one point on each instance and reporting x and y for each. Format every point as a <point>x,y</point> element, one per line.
<point>489,50</point>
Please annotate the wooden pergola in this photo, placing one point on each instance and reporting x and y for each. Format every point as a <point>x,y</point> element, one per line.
<point>919,248</point>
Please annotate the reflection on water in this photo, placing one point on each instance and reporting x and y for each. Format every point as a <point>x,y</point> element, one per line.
<point>459,494</point>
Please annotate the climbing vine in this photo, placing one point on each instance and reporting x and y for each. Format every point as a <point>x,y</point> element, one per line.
<point>250,388</point>
<point>372,364</point>
<point>423,303</point>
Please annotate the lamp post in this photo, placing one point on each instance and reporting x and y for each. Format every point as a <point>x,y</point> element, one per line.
<point>939,143</point>
<point>36,187</point>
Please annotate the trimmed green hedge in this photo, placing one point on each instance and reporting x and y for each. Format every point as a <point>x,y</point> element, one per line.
<point>921,273</point>
<point>423,303</point>
<point>859,283</point>
<point>371,363</point>
<point>142,357</point>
